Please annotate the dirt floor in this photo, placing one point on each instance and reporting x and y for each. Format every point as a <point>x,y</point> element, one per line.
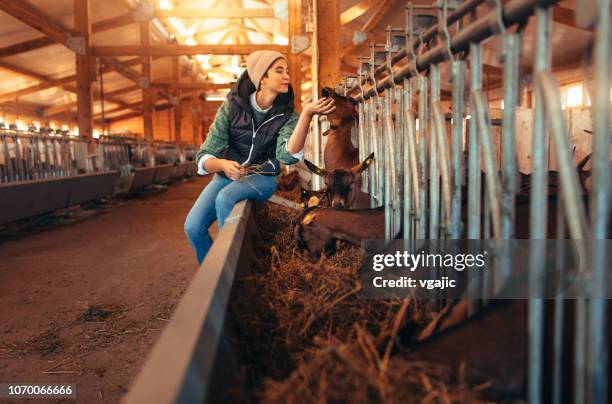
<point>84,299</point>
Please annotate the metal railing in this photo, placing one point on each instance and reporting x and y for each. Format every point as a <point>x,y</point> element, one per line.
<point>30,155</point>
<point>420,170</point>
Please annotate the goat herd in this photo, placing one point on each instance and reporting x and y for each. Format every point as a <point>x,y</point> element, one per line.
<point>342,211</point>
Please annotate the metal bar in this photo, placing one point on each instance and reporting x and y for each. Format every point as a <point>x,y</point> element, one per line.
<point>423,119</point>
<point>458,74</point>
<point>462,10</point>
<point>18,170</point>
<point>538,213</point>
<point>407,207</point>
<point>398,141</point>
<point>512,47</point>
<point>415,175</point>
<point>570,188</point>
<point>7,159</point>
<point>474,173</point>
<point>600,201</point>
<point>480,112</point>
<point>379,139</point>
<point>434,175</point>
<point>361,134</point>
<point>38,158</point>
<point>559,308</point>
<point>440,134</point>
<point>372,171</point>
<point>386,142</point>
<point>514,12</point>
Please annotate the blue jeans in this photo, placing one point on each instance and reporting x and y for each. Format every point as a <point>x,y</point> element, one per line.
<point>217,201</point>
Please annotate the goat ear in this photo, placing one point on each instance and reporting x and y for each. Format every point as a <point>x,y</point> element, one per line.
<point>314,168</point>
<point>364,165</point>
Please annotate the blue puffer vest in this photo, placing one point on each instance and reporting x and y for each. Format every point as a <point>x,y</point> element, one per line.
<point>251,143</point>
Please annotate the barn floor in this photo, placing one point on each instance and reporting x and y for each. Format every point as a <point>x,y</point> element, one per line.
<point>84,299</point>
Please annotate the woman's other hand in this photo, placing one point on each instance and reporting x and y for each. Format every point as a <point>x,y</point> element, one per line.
<point>323,106</point>
<point>232,170</point>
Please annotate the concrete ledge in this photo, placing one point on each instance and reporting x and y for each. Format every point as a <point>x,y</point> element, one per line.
<point>179,171</point>
<point>180,365</point>
<point>20,200</point>
<point>163,173</point>
<point>143,177</point>
<point>93,186</point>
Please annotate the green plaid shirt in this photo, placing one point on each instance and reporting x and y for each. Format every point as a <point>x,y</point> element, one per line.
<point>217,139</point>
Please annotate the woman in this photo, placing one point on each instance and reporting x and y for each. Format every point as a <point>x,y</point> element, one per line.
<point>255,125</point>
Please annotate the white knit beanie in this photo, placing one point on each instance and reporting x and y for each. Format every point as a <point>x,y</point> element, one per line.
<point>258,63</point>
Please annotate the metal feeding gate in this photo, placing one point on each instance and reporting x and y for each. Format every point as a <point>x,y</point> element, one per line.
<point>419,164</point>
<point>41,172</point>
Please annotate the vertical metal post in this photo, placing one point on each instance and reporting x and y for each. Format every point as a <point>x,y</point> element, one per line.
<point>559,308</point>
<point>434,174</point>
<point>474,174</point>
<point>18,171</point>
<point>423,126</point>
<point>398,141</point>
<point>512,47</point>
<point>379,139</point>
<point>373,172</point>
<point>458,74</point>
<point>538,213</point>
<point>386,167</point>
<point>407,207</point>
<point>600,200</point>
<point>361,122</point>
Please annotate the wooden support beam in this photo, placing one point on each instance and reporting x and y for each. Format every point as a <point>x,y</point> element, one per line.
<point>108,96</point>
<point>85,65</point>
<point>328,42</point>
<point>195,116</point>
<point>158,107</point>
<point>380,11</point>
<point>261,30</point>
<point>356,11</point>
<point>129,115</point>
<point>24,72</point>
<point>178,109</point>
<point>44,41</point>
<point>565,16</point>
<point>147,93</point>
<point>295,59</point>
<point>180,50</point>
<point>201,13</point>
<point>47,82</point>
<point>492,70</point>
<point>32,16</point>
<point>26,46</point>
<point>135,106</point>
<point>191,86</point>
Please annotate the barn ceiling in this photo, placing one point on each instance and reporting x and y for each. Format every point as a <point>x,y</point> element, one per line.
<point>32,70</point>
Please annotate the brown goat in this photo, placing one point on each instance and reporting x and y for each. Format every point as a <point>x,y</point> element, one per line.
<point>339,151</point>
<point>313,198</point>
<point>342,185</point>
<point>317,229</point>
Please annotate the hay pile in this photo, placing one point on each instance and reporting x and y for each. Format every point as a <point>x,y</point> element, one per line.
<point>307,336</point>
<point>355,372</point>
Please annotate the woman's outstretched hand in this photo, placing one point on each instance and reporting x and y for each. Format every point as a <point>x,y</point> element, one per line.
<point>322,106</point>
